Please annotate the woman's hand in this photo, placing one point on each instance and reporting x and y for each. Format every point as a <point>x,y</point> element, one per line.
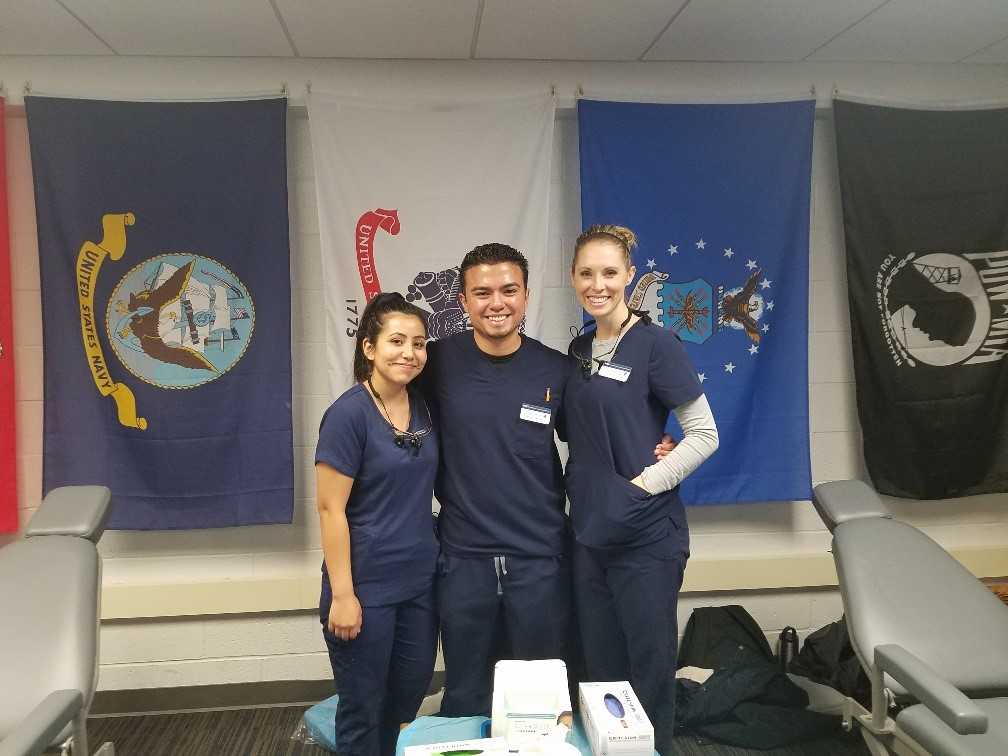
<point>666,445</point>
<point>345,617</point>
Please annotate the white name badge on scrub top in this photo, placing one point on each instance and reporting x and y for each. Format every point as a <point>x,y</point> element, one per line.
<point>616,372</point>
<point>535,414</point>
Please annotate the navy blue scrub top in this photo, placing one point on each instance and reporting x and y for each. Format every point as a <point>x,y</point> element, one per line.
<point>393,551</point>
<point>612,430</point>
<point>500,482</point>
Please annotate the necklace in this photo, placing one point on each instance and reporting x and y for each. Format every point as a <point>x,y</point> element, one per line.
<point>616,341</point>
<point>404,438</point>
<point>381,402</point>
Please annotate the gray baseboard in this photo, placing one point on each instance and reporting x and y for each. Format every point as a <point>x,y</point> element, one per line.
<point>238,695</point>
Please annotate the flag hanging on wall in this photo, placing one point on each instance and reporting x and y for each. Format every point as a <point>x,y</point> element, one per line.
<point>925,198</point>
<point>8,431</point>
<point>405,190</point>
<point>718,196</point>
<point>165,271</point>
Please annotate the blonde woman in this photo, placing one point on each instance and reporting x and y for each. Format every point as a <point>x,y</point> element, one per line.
<point>632,540</point>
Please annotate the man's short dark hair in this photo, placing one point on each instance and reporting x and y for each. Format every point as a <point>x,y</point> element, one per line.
<point>491,254</point>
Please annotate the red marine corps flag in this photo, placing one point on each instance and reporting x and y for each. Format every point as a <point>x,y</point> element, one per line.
<point>8,479</point>
<point>406,189</point>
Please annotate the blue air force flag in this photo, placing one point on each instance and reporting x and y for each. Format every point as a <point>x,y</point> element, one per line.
<point>165,271</point>
<point>718,196</point>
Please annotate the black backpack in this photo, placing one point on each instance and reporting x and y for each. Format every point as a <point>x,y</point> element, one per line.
<point>827,657</point>
<point>718,637</point>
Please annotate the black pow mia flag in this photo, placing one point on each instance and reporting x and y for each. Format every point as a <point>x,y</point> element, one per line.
<point>925,206</point>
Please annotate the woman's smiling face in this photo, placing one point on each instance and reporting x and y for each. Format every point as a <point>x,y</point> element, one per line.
<point>600,276</point>
<point>400,350</point>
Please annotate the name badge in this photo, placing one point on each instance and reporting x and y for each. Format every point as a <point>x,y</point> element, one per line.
<point>535,414</point>
<point>616,372</point>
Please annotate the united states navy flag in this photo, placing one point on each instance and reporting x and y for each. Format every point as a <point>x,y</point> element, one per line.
<point>165,271</point>
<point>718,196</point>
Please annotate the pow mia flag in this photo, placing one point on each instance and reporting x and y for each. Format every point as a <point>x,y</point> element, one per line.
<point>925,205</point>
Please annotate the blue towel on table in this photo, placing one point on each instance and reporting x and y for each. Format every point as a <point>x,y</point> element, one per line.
<point>321,722</point>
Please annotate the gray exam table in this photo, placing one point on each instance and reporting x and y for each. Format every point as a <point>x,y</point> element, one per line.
<point>50,590</point>
<point>930,636</point>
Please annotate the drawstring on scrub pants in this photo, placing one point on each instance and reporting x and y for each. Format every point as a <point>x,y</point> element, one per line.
<point>501,569</point>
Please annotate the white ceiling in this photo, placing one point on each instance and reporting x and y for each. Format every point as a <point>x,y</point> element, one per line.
<point>904,31</point>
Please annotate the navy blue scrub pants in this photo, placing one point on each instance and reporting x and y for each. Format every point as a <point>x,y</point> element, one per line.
<point>382,675</point>
<point>525,598</point>
<point>626,606</point>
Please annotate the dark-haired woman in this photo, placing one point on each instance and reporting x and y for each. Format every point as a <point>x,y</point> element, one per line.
<point>375,464</point>
<point>629,524</point>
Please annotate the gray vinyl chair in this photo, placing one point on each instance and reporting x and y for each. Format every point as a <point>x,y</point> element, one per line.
<point>930,636</point>
<point>50,592</point>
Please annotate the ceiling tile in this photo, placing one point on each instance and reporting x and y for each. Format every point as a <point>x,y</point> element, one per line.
<point>572,29</point>
<point>996,53</point>
<point>915,31</point>
<point>380,28</point>
<point>921,31</point>
<point>185,27</point>
<point>768,30</point>
<point>43,27</point>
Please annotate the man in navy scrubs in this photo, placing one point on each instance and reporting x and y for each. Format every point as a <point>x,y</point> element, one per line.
<point>503,578</point>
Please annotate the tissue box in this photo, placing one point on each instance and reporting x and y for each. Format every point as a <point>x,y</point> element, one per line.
<point>528,698</point>
<point>484,746</point>
<point>614,720</point>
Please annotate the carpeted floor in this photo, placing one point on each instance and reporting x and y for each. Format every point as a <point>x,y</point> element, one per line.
<point>237,732</point>
<point>267,732</point>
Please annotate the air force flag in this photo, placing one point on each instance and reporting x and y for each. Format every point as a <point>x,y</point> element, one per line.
<point>718,196</point>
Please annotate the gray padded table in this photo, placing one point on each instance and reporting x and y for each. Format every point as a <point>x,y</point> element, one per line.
<point>901,587</point>
<point>923,726</point>
<point>50,588</point>
<point>902,591</point>
<point>55,580</point>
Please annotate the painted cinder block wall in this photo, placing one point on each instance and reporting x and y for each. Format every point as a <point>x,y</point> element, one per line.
<point>211,646</point>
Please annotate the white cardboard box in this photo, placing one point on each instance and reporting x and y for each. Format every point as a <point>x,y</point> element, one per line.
<point>528,699</point>
<point>483,746</point>
<point>620,728</point>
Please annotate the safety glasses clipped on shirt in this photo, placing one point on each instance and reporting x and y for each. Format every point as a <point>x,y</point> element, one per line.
<point>413,440</point>
<point>410,439</point>
<point>585,363</point>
